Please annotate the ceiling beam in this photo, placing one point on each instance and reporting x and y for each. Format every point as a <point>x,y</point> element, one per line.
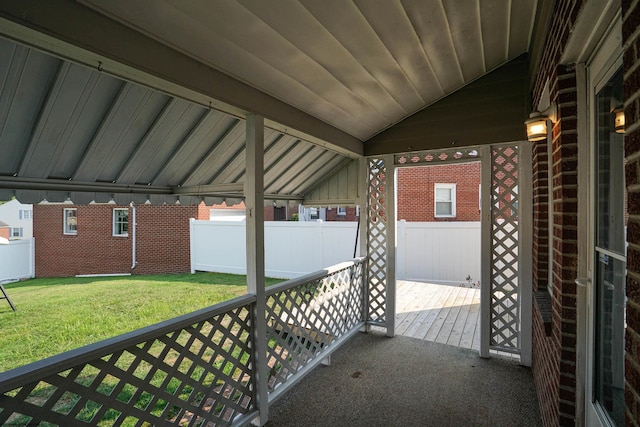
<point>235,190</point>
<point>73,31</point>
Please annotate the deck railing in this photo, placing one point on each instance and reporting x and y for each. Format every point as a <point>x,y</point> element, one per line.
<point>195,370</point>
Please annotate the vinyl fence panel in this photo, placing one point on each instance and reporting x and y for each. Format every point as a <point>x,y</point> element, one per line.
<point>441,252</point>
<point>17,260</point>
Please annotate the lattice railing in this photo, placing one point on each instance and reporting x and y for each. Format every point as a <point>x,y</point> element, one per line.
<point>308,317</point>
<point>377,223</point>
<point>505,315</point>
<point>195,370</point>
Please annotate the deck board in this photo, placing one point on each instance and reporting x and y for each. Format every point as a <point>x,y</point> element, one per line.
<point>441,313</point>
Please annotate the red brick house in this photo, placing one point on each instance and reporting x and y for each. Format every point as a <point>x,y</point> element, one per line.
<point>101,238</point>
<point>455,188</point>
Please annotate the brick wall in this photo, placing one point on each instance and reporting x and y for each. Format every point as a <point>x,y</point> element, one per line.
<point>332,214</point>
<point>416,191</point>
<point>162,241</point>
<point>554,354</point>
<point>631,40</point>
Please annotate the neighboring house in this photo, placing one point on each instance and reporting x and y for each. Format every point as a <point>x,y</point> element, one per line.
<point>104,238</point>
<point>4,232</point>
<point>439,193</point>
<point>19,218</point>
<point>272,212</point>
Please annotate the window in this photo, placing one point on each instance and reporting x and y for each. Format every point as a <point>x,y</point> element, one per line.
<point>16,232</point>
<point>314,213</point>
<point>342,211</point>
<point>121,222</point>
<point>70,221</point>
<point>445,200</point>
<point>25,214</point>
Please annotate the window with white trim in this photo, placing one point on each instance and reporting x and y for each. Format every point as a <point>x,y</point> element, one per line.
<point>70,225</point>
<point>445,200</point>
<point>25,214</point>
<point>342,211</point>
<point>121,222</point>
<point>16,232</point>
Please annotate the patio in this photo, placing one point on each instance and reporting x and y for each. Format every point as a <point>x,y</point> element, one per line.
<point>378,381</point>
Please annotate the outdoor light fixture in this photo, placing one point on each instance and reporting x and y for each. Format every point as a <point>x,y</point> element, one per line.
<point>537,123</point>
<point>618,121</point>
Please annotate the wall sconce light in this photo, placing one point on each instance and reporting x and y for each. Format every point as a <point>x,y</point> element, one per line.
<point>618,120</point>
<point>537,123</point>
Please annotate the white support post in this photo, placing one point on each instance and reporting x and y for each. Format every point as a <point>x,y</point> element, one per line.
<point>485,239</point>
<point>390,314</point>
<point>363,197</point>
<point>254,202</point>
<point>192,246</point>
<point>525,249</point>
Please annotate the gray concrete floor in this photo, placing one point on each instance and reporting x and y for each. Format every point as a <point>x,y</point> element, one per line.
<point>374,380</point>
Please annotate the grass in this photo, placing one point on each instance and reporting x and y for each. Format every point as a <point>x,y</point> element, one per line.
<point>56,315</point>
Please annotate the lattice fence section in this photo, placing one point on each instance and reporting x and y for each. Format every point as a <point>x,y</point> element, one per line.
<point>377,241</point>
<point>197,375</point>
<point>505,318</point>
<point>305,320</point>
<point>437,156</point>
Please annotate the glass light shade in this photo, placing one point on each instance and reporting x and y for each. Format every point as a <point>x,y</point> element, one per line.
<point>619,120</point>
<point>536,129</point>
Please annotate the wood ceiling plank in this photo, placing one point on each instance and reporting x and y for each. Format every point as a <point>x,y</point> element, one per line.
<point>434,33</point>
<point>494,21</point>
<point>466,34</point>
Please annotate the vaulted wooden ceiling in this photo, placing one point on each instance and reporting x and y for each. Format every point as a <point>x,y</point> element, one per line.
<point>112,97</point>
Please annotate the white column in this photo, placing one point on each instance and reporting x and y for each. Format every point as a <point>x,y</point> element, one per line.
<point>525,249</point>
<point>485,251</point>
<point>391,245</point>
<point>363,200</point>
<point>254,202</point>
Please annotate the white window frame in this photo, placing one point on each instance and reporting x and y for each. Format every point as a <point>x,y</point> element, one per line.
<point>69,225</point>
<point>25,214</point>
<point>118,222</point>
<point>19,230</point>
<point>342,211</point>
<point>452,193</point>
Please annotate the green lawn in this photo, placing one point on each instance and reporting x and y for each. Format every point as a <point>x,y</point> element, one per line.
<point>55,315</point>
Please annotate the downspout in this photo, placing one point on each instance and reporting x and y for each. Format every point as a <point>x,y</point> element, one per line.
<point>133,236</point>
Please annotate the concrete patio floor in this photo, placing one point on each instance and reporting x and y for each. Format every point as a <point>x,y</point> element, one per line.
<point>379,381</point>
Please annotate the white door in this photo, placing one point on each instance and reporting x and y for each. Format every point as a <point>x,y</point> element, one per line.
<point>606,292</point>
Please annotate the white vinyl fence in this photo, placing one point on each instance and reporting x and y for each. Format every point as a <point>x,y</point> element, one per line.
<point>17,260</point>
<point>442,252</point>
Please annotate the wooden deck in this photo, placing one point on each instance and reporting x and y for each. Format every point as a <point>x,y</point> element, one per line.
<point>441,313</point>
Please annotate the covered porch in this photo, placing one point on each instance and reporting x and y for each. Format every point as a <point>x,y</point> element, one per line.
<point>319,103</point>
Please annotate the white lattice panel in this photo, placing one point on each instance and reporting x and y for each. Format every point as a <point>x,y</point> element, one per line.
<point>305,320</point>
<point>377,240</point>
<point>433,157</point>
<point>197,375</point>
<point>505,318</point>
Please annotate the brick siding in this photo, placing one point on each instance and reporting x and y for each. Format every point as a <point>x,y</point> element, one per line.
<point>554,355</point>
<point>332,214</point>
<point>162,241</point>
<point>416,191</point>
